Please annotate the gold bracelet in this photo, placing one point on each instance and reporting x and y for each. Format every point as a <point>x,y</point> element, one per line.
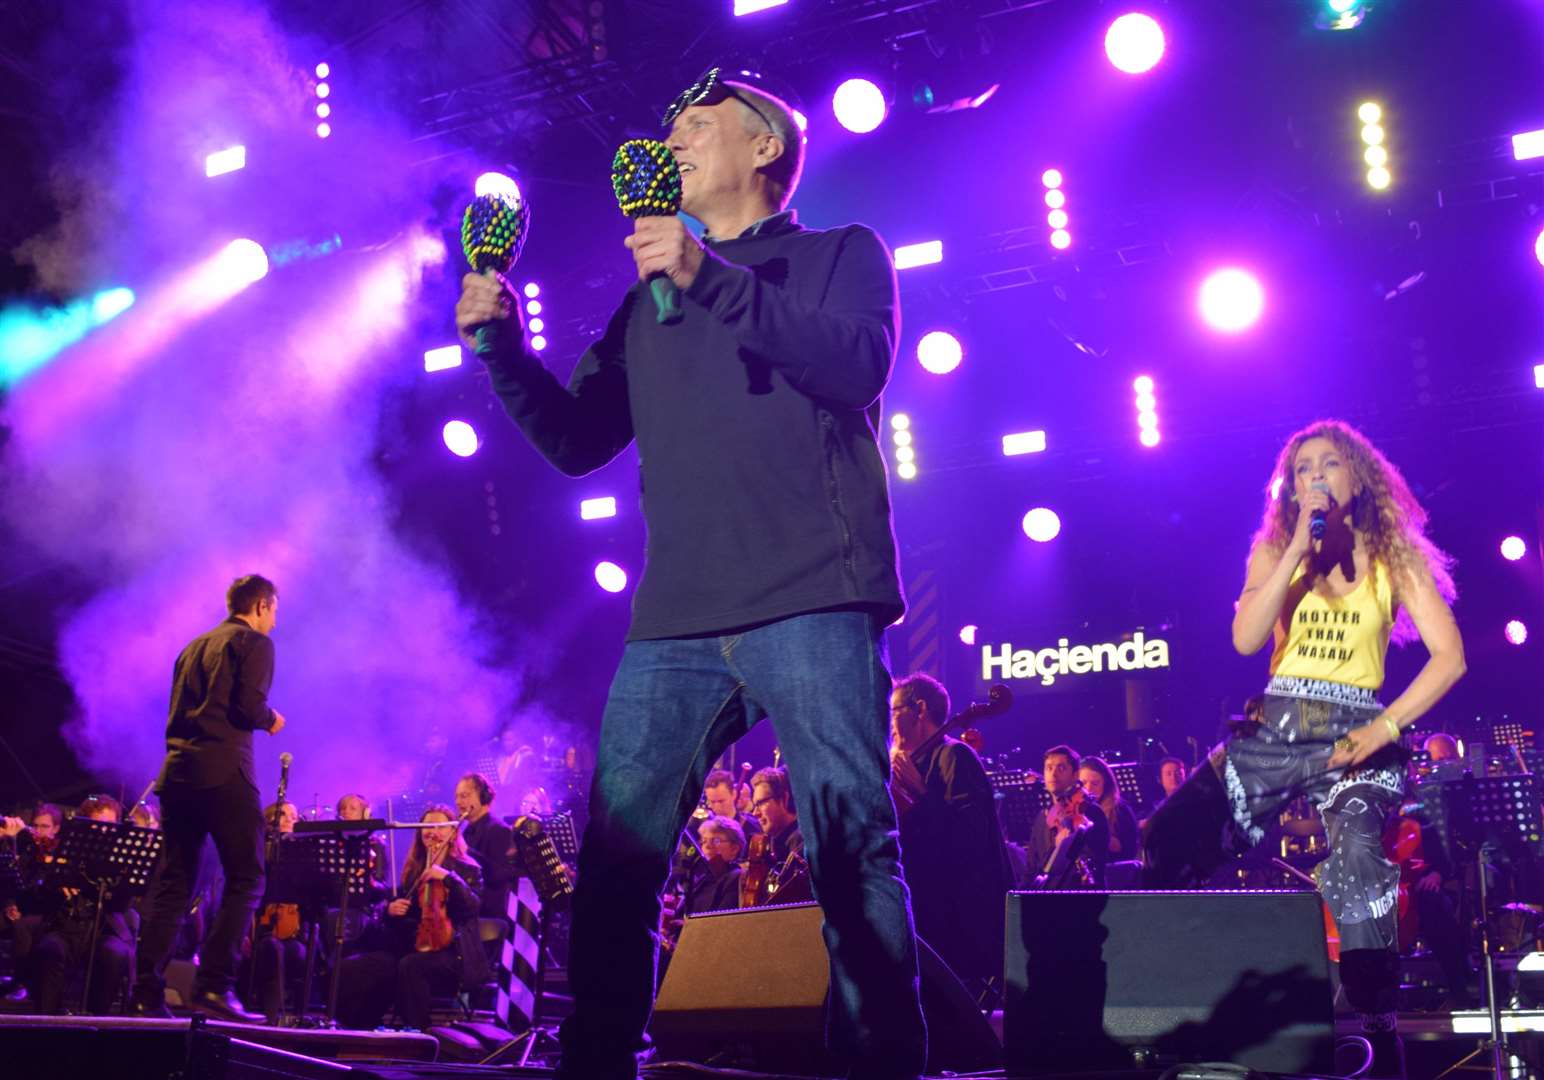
<point>1394,729</point>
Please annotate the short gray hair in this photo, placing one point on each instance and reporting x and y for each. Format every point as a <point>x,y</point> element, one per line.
<point>778,114</point>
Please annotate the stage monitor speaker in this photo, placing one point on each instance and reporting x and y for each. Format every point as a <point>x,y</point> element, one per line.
<point>1110,980</point>
<point>749,988</point>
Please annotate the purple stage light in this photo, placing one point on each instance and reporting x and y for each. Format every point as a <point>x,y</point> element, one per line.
<point>1061,239</point>
<point>1023,442</point>
<point>1527,145</point>
<point>1134,43</point>
<point>1148,437</point>
<point>323,70</point>
<point>532,290</point>
<point>900,422</point>
<point>533,307</point>
<point>1042,525</point>
<point>595,509</point>
<point>1147,420</point>
<point>859,106</point>
<point>241,263</point>
<point>1147,402</point>
<point>1538,247</point>
<point>1538,374</point>
<point>939,352</point>
<point>442,359</point>
<point>1516,632</point>
<point>923,254</point>
<point>1513,548</point>
<point>322,90</point>
<point>225,161</point>
<point>968,633</point>
<point>323,130</point>
<point>1056,198</point>
<point>496,183</point>
<point>460,438</point>
<point>610,576</point>
<point>1142,384</point>
<point>748,7</point>
<point>536,326</point>
<point>538,343</point>
<point>1231,300</point>
<point>1057,219</point>
<point>323,111</point>
<point>1051,178</point>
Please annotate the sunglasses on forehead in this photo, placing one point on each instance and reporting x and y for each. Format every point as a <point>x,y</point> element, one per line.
<point>710,89</point>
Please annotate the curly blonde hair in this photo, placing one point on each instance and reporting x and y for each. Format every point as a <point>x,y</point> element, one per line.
<point>1386,513</point>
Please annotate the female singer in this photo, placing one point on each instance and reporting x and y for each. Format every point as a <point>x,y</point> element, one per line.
<point>1330,603</point>
<point>428,938</point>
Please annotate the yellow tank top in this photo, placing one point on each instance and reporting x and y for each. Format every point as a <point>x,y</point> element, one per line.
<point>1340,639</point>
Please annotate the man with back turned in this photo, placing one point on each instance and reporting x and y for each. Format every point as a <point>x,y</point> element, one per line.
<point>208,787</point>
<point>770,572</point>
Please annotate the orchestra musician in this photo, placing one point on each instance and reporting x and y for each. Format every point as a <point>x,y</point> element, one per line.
<point>427,939</point>
<point>1068,844</point>
<point>490,842</point>
<point>776,870</point>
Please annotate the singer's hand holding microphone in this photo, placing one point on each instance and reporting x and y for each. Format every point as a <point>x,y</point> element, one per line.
<point>1312,517</point>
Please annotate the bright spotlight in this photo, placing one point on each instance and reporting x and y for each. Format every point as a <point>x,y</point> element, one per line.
<point>610,576</point>
<point>323,130</point>
<point>859,106</point>
<point>1538,248</point>
<point>1516,632</point>
<point>1057,219</point>
<point>1148,437</point>
<point>1527,145</point>
<point>1231,300</point>
<point>323,70</point>
<point>906,471</point>
<point>923,254</point>
<point>939,352</point>
<point>460,438</point>
<point>442,359</point>
<point>1143,384</point>
<point>1134,43</point>
<point>1042,525</point>
<point>1061,239</point>
<point>241,263</point>
<point>900,422</point>
<point>225,161</point>
<point>1538,369</point>
<point>1023,442</point>
<point>493,183</point>
<point>111,303</point>
<point>595,509</point>
<point>1513,548</point>
<point>1369,112</point>
<point>1056,198</point>
<point>968,633</point>
<point>322,90</point>
<point>1051,178</point>
<point>532,290</point>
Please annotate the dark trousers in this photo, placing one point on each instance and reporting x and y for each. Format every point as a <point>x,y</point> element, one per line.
<point>231,815</point>
<point>674,706</point>
<point>269,956</point>
<point>371,982</point>
<point>59,952</point>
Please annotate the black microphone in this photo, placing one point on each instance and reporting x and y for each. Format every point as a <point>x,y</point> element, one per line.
<point>284,764</point>
<point>1316,520</point>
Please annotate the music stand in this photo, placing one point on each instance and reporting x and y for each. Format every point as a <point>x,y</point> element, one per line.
<point>1019,802</point>
<point>1479,815</point>
<point>115,858</point>
<point>565,835</point>
<point>306,870</point>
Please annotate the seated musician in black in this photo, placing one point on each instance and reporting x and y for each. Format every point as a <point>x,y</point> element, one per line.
<point>715,881</point>
<point>352,807</point>
<point>407,958</point>
<point>66,936</point>
<point>30,848</point>
<point>1099,784</point>
<point>1069,844</point>
<point>772,803</point>
<point>278,946</point>
<point>720,794</point>
<point>490,842</point>
<point>951,843</point>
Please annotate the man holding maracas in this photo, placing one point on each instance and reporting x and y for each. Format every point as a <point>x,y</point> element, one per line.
<point>754,397</point>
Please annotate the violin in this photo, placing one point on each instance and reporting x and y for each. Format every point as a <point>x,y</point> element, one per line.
<point>435,930</point>
<point>1069,864</point>
<point>758,869</point>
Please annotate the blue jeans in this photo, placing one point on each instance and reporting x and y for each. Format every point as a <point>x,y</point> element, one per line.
<point>674,707</point>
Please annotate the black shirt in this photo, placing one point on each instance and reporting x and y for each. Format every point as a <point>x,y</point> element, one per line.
<point>219,697</point>
<point>490,841</point>
<point>757,421</point>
